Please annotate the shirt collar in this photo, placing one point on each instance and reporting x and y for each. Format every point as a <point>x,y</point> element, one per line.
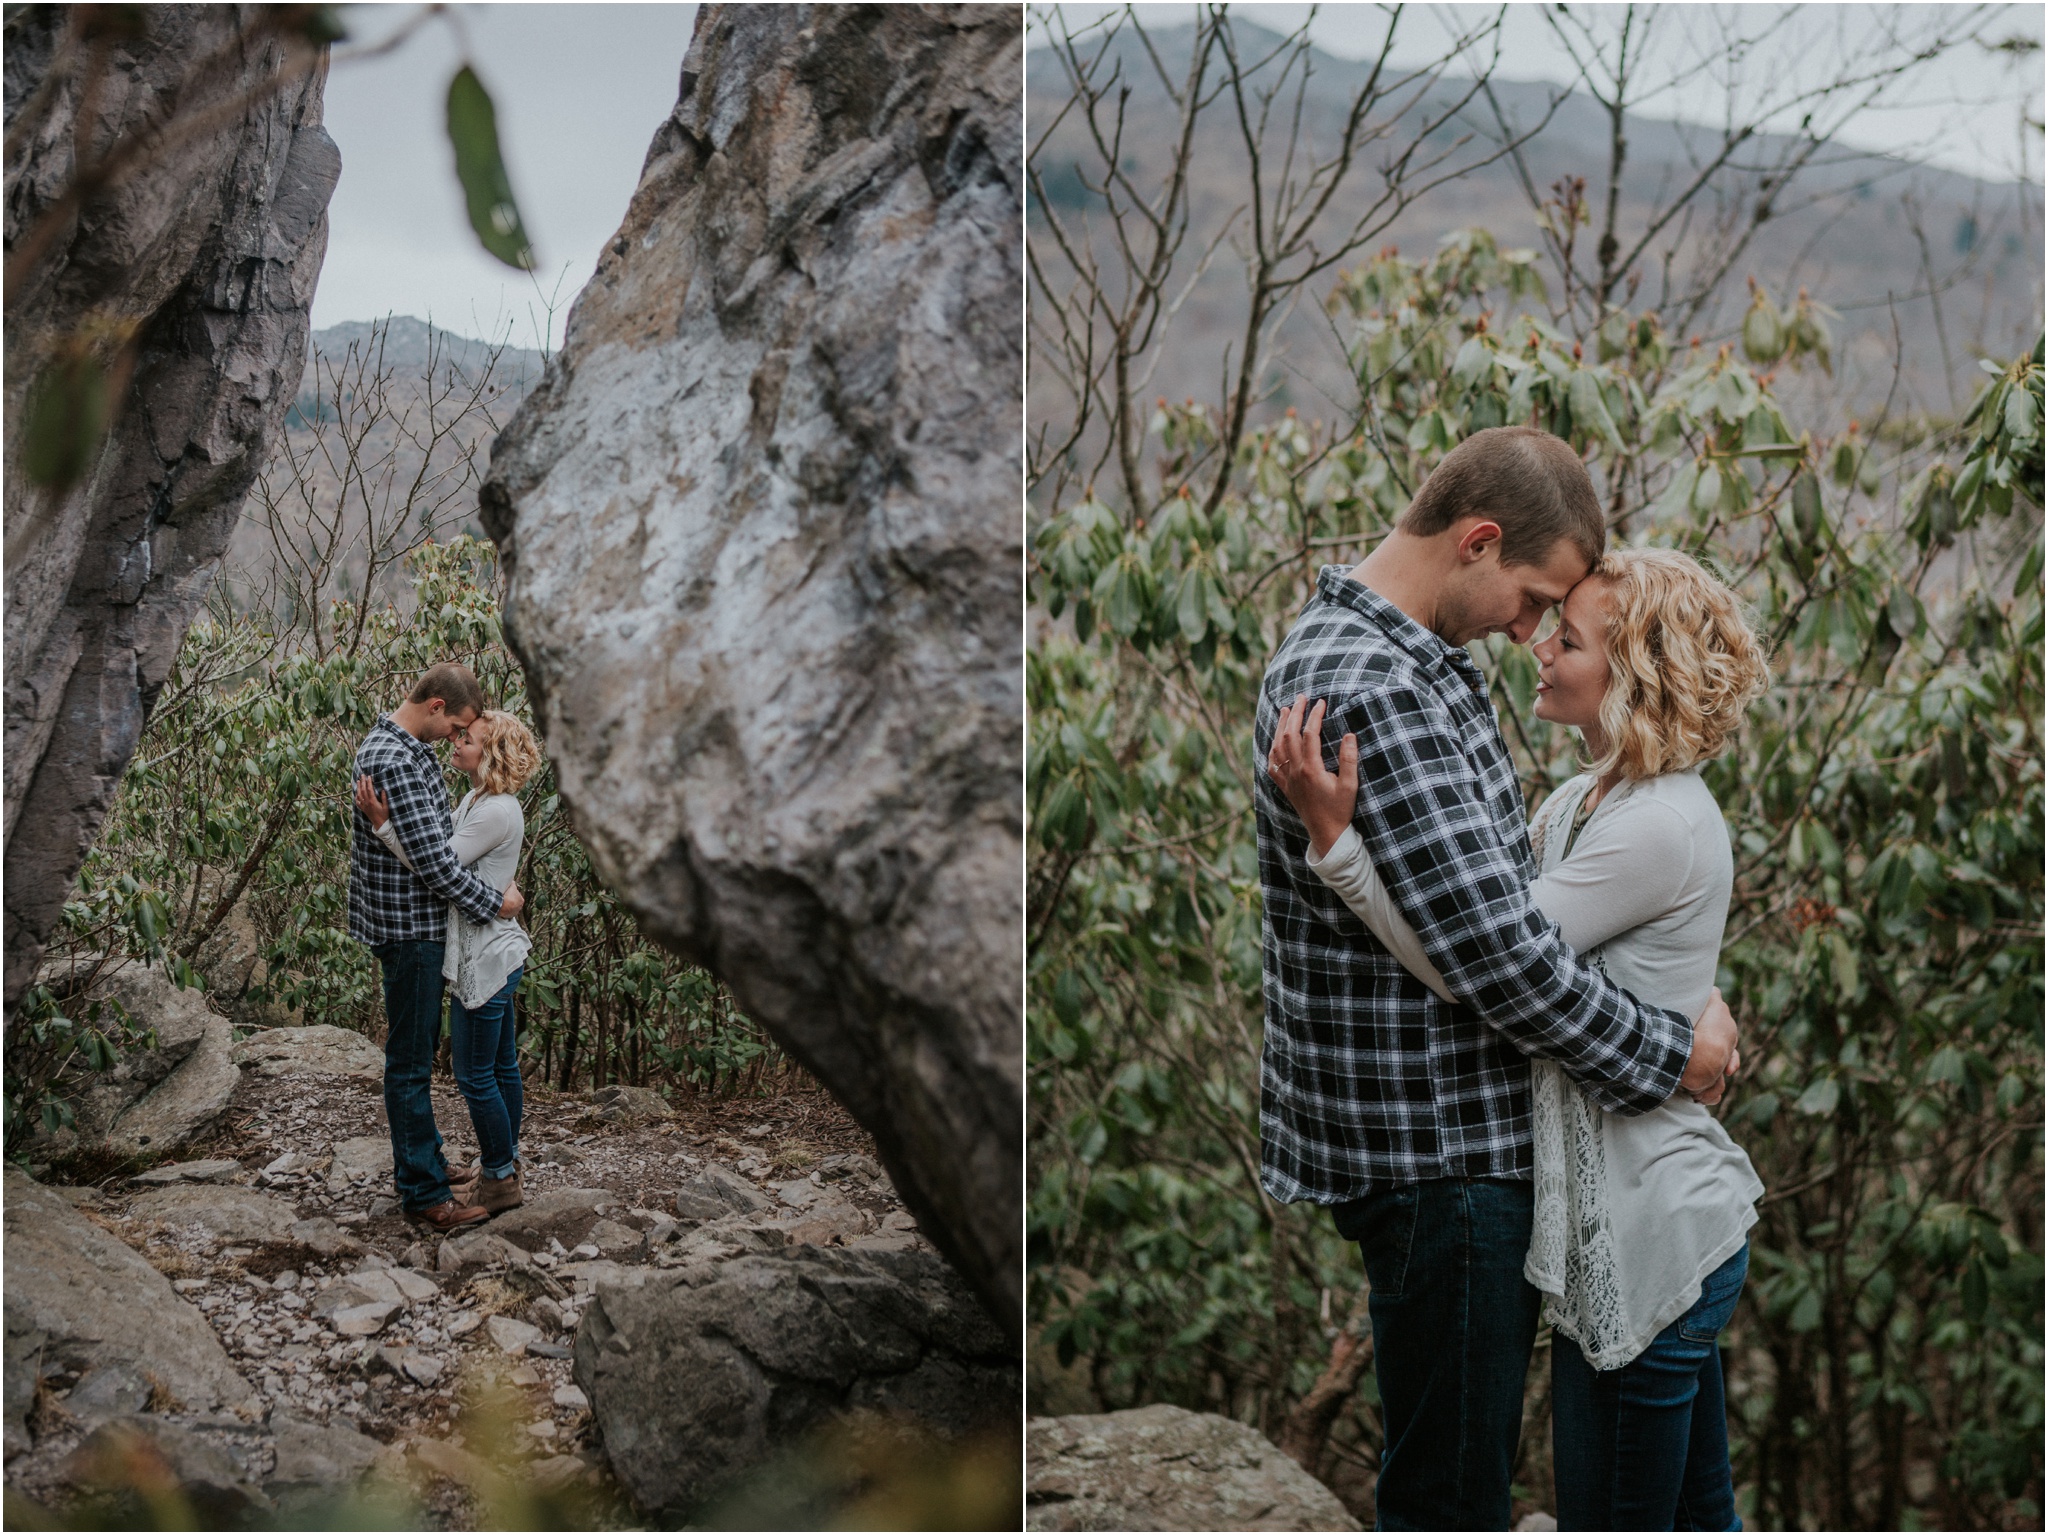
<point>1334,584</point>
<point>386,722</point>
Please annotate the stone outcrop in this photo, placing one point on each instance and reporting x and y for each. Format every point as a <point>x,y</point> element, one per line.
<point>158,1096</point>
<point>1165,1468</point>
<point>701,1373</point>
<point>81,1303</point>
<point>206,252</point>
<point>320,1048</point>
<point>761,529</point>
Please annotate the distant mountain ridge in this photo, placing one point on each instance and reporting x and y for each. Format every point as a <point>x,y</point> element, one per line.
<point>408,343</point>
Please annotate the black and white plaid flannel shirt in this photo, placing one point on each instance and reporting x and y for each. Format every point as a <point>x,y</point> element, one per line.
<point>387,902</point>
<point>1368,1080</point>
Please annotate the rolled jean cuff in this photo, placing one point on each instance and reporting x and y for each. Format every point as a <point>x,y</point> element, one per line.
<point>506,1171</point>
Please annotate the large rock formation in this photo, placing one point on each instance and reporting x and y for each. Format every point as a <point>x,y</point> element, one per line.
<point>207,251</point>
<point>762,530</point>
<point>82,1303</point>
<point>1165,1468</point>
<point>702,1373</point>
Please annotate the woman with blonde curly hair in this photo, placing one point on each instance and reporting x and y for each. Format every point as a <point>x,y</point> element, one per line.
<point>484,960</point>
<point>1640,1240</point>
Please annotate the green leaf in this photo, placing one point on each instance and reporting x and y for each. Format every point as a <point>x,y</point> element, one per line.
<point>67,419</point>
<point>473,130</point>
<point>1976,1293</point>
<point>1707,494</point>
<point>1475,357</point>
<point>2022,416</point>
<point>1820,1097</point>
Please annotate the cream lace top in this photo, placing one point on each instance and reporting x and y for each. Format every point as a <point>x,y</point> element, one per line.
<point>480,956</point>
<point>1632,1212</point>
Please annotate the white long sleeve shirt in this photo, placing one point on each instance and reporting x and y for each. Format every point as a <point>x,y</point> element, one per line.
<point>488,832</point>
<point>1632,1212</point>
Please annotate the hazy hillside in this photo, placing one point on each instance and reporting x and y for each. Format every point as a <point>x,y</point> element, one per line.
<point>390,435</point>
<point>1844,229</point>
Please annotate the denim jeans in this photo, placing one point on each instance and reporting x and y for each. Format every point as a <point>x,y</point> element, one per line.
<point>1645,1447</point>
<point>1453,1322</point>
<point>486,1049</point>
<point>412,1015</point>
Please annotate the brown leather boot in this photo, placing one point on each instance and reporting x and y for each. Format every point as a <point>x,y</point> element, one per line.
<point>498,1195</point>
<point>447,1216</point>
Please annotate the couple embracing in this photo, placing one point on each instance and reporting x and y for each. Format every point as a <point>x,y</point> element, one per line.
<point>1491,1044</point>
<point>432,893</point>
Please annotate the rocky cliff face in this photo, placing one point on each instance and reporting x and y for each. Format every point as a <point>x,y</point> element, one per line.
<point>761,523</point>
<point>207,252</point>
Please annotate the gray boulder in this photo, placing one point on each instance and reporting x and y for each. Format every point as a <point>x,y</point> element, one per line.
<point>620,1104</point>
<point>719,1191</point>
<point>314,1459</point>
<point>697,1374</point>
<point>79,1301</point>
<point>566,1215</point>
<point>219,1214</point>
<point>157,1098</point>
<point>760,533</point>
<point>209,250</point>
<point>1165,1468</point>
<point>126,1460</point>
<point>320,1048</point>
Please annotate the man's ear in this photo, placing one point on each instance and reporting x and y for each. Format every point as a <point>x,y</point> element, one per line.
<point>1474,543</point>
<point>437,706</point>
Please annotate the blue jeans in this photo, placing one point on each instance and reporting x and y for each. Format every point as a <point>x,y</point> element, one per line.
<point>1453,1322</point>
<point>486,1050</point>
<point>1645,1447</point>
<point>412,1014</point>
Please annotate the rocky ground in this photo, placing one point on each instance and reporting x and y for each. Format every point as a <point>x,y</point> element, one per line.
<point>440,1364</point>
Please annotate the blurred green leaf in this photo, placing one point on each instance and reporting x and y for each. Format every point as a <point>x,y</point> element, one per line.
<point>480,167</point>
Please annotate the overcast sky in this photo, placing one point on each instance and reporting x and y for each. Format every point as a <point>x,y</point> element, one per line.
<point>1961,111</point>
<point>579,90</point>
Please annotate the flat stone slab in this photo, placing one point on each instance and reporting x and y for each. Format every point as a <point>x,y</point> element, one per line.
<point>224,1214</point>
<point>362,1159</point>
<point>511,1334</point>
<point>564,1215</point>
<point>319,1048</point>
<point>214,1170</point>
<point>719,1191</point>
<point>1165,1468</point>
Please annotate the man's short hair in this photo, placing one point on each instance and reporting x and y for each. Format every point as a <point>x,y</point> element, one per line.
<point>1521,477</point>
<point>454,684</point>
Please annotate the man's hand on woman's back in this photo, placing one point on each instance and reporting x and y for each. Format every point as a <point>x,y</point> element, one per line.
<point>1714,1057</point>
<point>515,903</point>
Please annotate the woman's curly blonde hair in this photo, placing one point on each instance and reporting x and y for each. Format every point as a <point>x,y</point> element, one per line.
<point>1683,663</point>
<point>511,755</point>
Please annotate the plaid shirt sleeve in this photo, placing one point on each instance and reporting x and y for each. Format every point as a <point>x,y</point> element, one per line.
<point>1438,848</point>
<point>419,815</point>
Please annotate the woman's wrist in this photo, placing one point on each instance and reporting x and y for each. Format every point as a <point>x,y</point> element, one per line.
<point>1323,837</point>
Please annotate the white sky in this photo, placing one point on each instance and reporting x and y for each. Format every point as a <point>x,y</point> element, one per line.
<point>1961,111</point>
<point>579,90</point>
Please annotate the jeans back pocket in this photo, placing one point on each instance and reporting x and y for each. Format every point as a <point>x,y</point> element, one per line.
<point>1719,1292</point>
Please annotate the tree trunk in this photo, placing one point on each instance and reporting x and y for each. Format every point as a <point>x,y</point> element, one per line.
<point>760,534</point>
<point>1307,1428</point>
<point>204,254</point>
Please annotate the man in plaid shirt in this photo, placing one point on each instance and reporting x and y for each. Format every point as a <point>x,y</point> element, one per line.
<point>1406,1115</point>
<point>402,914</point>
